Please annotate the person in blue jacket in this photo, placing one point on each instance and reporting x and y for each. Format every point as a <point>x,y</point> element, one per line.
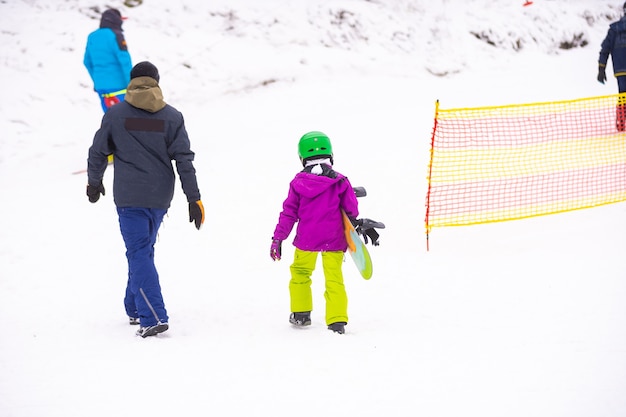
<point>614,44</point>
<point>107,59</point>
<point>145,135</point>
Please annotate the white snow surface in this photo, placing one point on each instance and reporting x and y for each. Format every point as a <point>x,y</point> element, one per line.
<point>516,319</point>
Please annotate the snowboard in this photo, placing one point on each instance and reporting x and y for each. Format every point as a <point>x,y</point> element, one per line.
<point>357,249</point>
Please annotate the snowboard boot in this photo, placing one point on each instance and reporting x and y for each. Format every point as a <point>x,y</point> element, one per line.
<point>133,320</point>
<point>300,319</point>
<point>152,330</point>
<point>339,327</point>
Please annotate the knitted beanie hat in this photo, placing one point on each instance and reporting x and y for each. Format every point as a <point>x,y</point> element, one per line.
<point>145,69</point>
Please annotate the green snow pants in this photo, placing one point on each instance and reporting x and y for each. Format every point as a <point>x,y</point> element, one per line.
<point>300,284</point>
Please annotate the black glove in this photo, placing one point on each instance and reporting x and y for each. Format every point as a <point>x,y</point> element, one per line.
<point>371,233</point>
<point>196,213</point>
<point>365,227</point>
<point>601,74</point>
<point>94,191</point>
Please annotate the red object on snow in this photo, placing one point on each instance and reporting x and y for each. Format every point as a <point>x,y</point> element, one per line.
<point>528,3</point>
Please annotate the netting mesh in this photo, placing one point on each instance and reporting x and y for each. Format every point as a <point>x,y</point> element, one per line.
<point>494,164</point>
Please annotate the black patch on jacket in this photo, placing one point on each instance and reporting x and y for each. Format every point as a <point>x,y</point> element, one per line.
<point>145,125</point>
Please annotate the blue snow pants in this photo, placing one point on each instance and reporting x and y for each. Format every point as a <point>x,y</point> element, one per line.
<point>139,227</point>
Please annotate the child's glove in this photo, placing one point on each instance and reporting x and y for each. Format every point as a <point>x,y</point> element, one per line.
<point>94,191</point>
<point>365,227</point>
<point>275,249</point>
<point>371,233</point>
<point>196,213</point>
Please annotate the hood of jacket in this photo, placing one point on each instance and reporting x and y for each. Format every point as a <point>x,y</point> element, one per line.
<point>145,93</point>
<point>111,19</point>
<point>312,185</point>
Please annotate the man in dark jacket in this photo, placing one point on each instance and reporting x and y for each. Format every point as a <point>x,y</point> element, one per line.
<point>614,44</point>
<point>144,134</point>
<point>107,59</point>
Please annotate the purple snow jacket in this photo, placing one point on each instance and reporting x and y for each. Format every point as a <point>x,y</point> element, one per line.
<point>315,202</point>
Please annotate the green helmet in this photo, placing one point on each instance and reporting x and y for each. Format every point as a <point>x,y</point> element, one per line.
<point>314,144</point>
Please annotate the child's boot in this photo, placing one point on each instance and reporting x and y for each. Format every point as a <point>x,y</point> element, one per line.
<point>339,327</point>
<point>300,319</point>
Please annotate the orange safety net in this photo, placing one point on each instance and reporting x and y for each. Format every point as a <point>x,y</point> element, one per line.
<point>492,164</point>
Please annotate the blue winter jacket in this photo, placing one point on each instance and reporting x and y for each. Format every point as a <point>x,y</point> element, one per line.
<point>144,135</point>
<point>106,55</point>
<point>615,45</point>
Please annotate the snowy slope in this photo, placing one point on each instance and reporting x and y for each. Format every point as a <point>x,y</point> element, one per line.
<point>514,319</point>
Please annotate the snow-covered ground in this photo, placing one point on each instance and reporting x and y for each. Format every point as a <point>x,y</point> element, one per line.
<point>516,319</point>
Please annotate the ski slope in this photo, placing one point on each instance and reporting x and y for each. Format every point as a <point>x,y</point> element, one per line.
<point>515,319</point>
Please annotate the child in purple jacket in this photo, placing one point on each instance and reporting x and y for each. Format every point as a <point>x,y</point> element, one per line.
<point>316,197</point>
